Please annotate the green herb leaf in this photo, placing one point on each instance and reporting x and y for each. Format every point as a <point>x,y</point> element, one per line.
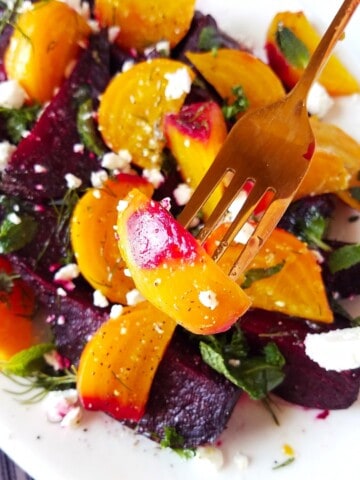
<point>287,462</point>
<point>87,129</point>
<point>209,39</point>
<point>16,121</point>
<point>344,257</point>
<point>14,236</point>
<point>172,439</point>
<point>255,274</point>
<point>240,104</point>
<point>313,229</point>
<point>257,375</point>
<point>27,361</point>
<point>293,49</point>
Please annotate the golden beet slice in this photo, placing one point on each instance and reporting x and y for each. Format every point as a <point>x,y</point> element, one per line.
<point>41,49</point>
<point>133,107</point>
<point>230,68</point>
<point>145,22</point>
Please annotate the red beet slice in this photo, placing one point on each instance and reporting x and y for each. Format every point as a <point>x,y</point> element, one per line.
<point>305,383</point>
<point>38,167</point>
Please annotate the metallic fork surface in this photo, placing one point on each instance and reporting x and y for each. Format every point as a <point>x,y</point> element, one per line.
<point>271,147</point>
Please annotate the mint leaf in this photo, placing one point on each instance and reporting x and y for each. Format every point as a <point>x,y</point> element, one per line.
<point>257,375</point>
<point>14,236</point>
<point>344,257</point>
<point>27,361</point>
<point>255,274</point>
<point>293,49</point>
<point>313,229</point>
<point>172,439</point>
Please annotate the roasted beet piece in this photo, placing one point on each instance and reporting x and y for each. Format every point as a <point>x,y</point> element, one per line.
<point>72,318</point>
<point>305,383</point>
<point>188,396</point>
<point>50,145</point>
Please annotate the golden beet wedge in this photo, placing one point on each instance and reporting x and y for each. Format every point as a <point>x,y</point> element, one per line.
<point>173,271</point>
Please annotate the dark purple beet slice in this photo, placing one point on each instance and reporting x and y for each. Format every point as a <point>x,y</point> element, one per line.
<point>72,318</point>
<point>51,142</point>
<point>188,396</point>
<point>4,40</point>
<point>305,383</point>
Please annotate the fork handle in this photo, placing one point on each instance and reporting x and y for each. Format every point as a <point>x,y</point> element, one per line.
<point>325,47</point>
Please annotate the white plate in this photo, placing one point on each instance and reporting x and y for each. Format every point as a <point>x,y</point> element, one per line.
<point>101,448</point>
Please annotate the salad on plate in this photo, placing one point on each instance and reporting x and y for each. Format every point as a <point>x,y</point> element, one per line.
<point>108,304</point>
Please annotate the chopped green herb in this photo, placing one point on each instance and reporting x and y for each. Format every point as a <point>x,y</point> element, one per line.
<point>287,462</point>
<point>13,235</point>
<point>293,49</point>
<point>16,121</point>
<point>344,257</point>
<point>240,104</point>
<point>172,439</point>
<point>257,375</point>
<point>209,39</point>
<point>87,129</point>
<point>255,274</point>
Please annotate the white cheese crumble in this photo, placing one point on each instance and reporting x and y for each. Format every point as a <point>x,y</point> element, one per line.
<point>182,194</point>
<point>179,83</point>
<point>67,273</point>
<point>120,160</point>
<point>133,297</point>
<point>63,407</point>
<point>72,181</point>
<point>208,299</point>
<point>154,176</point>
<point>116,311</point>
<point>127,65</point>
<point>14,218</point>
<point>213,456</point>
<point>6,151</point>
<point>40,168</point>
<point>99,299</point>
<point>113,32</point>
<point>335,350</point>
<point>98,178</point>
<point>12,95</point>
<point>319,101</point>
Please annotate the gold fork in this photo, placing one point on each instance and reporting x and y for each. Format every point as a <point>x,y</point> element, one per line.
<point>270,147</point>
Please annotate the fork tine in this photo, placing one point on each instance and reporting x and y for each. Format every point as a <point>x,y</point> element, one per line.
<point>266,225</point>
<point>246,210</point>
<point>203,191</point>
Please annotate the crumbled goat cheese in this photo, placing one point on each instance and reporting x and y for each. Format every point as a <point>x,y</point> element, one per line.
<point>241,461</point>
<point>40,168</point>
<point>67,273</point>
<point>78,148</point>
<point>72,181</point>
<point>113,32</point>
<point>56,361</point>
<point>179,83</point>
<point>133,297</point>
<point>122,205</point>
<point>12,95</point>
<point>63,407</point>
<point>116,311</point>
<point>98,178</point>
<point>208,299</point>
<point>82,8</point>
<point>335,350</point>
<point>127,65</point>
<point>120,160</point>
<point>213,456</point>
<point>319,101</point>
<point>154,176</point>
<point>99,299</point>
<point>182,194</point>
<point>14,218</point>
<point>6,150</point>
